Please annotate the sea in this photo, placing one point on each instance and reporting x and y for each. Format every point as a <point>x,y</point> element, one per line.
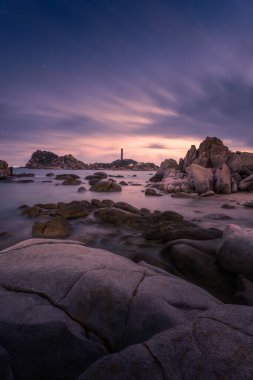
<point>14,227</point>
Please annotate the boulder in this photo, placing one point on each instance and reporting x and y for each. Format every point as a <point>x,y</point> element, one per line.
<point>153,192</point>
<point>169,164</point>
<point>126,207</point>
<point>52,228</point>
<point>72,182</point>
<point>81,189</point>
<point>241,162</point>
<point>235,253</point>
<point>222,180</point>
<point>202,178</point>
<point>189,159</point>
<point>212,153</point>
<point>67,177</point>
<point>64,306</point>
<point>207,348</point>
<point>115,215</point>
<point>106,186</point>
<point>247,183</point>
<point>123,183</point>
<point>248,204</point>
<point>158,177</point>
<point>100,175</point>
<point>73,211</point>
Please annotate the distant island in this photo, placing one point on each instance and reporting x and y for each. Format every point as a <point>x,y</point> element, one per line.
<point>49,160</point>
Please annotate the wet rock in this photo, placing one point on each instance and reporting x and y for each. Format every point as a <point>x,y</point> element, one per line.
<point>123,183</point>
<point>152,192</point>
<point>66,177</point>
<point>227,206</point>
<point>31,211</point>
<point>52,228</point>
<point>248,204</point>
<point>100,175</point>
<point>73,211</point>
<point>158,177</point>
<point>24,181</point>
<point>171,216</point>
<point>21,175</point>
<point>181,231</point>
<point>127,207</point>
<point>47,206</point>
<point>81,189</point>
<point>107,203</point>
<point>92,181</point>
<point>183,195</point>
<point>72,182</point>
<point>97,203</point>
<point>115,215</point>
<point>50,174</point>
<point>209,193</point>
<point>106,186</point>
<point>218,216</point>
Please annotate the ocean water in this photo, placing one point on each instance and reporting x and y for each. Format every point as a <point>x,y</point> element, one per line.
<point>13,195</point>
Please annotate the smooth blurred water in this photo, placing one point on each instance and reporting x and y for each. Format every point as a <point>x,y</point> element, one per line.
<point>13,195</point>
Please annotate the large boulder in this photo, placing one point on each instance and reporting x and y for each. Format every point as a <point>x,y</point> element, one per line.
<point>217,345</point>
<point>246,183</point>
<point>63,306</point>
<point>222,180</point>
<point>189,159</point>
<point>4,169</point>
<point>235,253</point>
<point>202,178</point>
<point>106,186</point>
<point>212,153</point>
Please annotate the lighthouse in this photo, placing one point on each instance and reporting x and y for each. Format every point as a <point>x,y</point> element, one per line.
<point>121,154</point>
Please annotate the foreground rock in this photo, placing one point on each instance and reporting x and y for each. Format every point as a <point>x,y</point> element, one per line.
<point>72,312</point>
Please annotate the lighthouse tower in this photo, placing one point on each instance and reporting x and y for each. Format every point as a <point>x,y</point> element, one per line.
<point>121,154</point>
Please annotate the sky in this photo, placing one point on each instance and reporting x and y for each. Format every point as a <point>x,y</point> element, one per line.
<point>89,77</point>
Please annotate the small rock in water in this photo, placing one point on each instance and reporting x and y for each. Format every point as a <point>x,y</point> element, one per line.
<point>24,181</point>
<point>49,174</point>
<point>227,206</point>
<point>123,183</point>
<point>153,192</point>
<point>81,189</point>
<point>248,204</point>
<point>218,216</point>
<point>72,182</point>
<point>207,194</point>
<point>52,228</point>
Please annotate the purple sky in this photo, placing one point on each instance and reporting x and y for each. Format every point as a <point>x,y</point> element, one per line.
<point>153,77</point>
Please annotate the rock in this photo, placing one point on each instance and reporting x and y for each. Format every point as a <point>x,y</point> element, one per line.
<point>72,182</point>
<point>126,207</point>
<point>200,268</point>
<point>158,177</point>
<point>21,175</point>
<point>244,294</point>
<point>202,178</point>
<point>24,181</point>
<point>106,186</point>
<point>171,216</point>
<point>227,206</point>
<point>81,189</point>
<point>189,159</point>
<point>31,211</point>
<point>212,153</point>
<point>49,160</point>
<point>248,204</point>
<point>4,169</point>
<point>206,348</point>
<point>123,183</point>
<point>100,175</point>
<point>222,180</point>
<point>73,211</point>
<point>50,174</point>
<point>63,306</point>
<point>67,177</point>
<point>46,206</point>
<point>93,180</point>
<point>218,216</point>
<point>247,183</point>
<point>97,203</point>
<point>115,215</point>
<point>183,195</point>
<point>235,253</point>
<point>108,203</point>
<point>52,228</point>
<point>151,191</point>
<point>169,164</point>
<point>209,193</point>
<point>241,162</point>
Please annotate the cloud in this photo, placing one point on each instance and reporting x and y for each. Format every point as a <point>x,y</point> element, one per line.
<point>156,146</point>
